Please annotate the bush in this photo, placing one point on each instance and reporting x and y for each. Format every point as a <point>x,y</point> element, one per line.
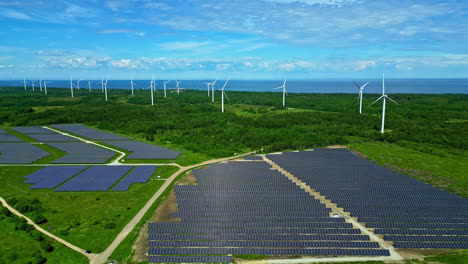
<point>110,225</point>
<point>47,246</point>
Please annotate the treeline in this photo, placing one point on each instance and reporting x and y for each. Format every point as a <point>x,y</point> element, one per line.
<point>255,122</point>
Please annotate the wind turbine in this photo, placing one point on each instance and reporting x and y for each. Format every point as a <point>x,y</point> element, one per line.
<point>78,84</point>
<point>45,87</point>
<point>40,84</point>
<point>384,97</point>
<point>105,86</point>
<point>152,91</point>
<point>131,82</point>
<point>89,86</point>
<point>212,89</point>
<point>361,90</point>
<point>177,86</point>
<point>284,91</point>
<point>223,93</point>
<point>71,85</point>
<point>32,83</point>
<point>165,87</point>
<point>102,84</point>
<point>24,82</point>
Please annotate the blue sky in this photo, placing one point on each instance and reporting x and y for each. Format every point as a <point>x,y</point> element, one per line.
<point>245,39</point>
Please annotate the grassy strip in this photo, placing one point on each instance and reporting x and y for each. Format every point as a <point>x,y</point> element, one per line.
<point>124,252</point>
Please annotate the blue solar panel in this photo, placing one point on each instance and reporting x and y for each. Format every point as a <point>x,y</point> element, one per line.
<point>80,152</point>
<point>142,150</point>
<point>33,130</point>
<point>9,138</point>
<point>50,177</point>
<point>21,153</point>
<point>87,132</point>
<point>140,174</point>
<point>96,178</point>
<point>51,137</point>
<point>190,259</point>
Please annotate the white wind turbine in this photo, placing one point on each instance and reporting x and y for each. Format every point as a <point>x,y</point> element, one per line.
<point>384,97</point>
<point>78,84</point>
<point>32,83</point>
<point>152,89</point>
<point>71,85</point>
<point>131,82</point>
<point>24,83</point>
<point>165,87</point>
<point>45,87</point>
<point>40,84</point>
<point>102,84</point>
<point>177,86</point>
<point>223,94</point>
<point>284,91</point>
<point>361,90</point>
<point>105,86</point>
<point>212,90</point>
<point>89,86</point>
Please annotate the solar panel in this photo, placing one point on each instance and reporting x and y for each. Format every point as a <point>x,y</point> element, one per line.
<point>430,245</point>
<point>142,150</point>
<point>96,178</point>
<point>190,259</point>
<point>33,130</point>
<point>21,153</point>
<point>80,152</point>
<point>140,174</point>
<point>51,137</point>
<point>83,131</point>
<point>52,176</point>
<point>9,138</point>
<point>2,131</point>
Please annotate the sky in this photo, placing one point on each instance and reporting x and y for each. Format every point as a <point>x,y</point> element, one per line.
<point>243,39</point>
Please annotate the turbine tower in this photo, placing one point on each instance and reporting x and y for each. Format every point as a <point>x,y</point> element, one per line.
<point>212,89</point>
<point>24,82</point>
<point>177,86</point>
<point>40,84</point>
<point>78,84</point>
<point>165,87</point>
<point>284,91</point>
<point>89,86</point>
<point>384,97</point>
<point>32,83</point>
<point>131,82</point>
<point>361,90</point>
<point>223,94</point>
<point>45,87</point>
<point>71,85</point>
<point>105,86</point>
<point>152,90</point>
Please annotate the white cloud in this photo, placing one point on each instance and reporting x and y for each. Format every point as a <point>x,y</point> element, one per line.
<point>6,66</point>
<point>14,14</point>
<point>187,45</point>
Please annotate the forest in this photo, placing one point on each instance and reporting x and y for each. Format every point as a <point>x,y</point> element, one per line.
<point>252,121</point>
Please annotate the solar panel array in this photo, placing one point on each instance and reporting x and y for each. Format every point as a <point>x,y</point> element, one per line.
<point>80,152</point>
<point>2,131</point>
<point>83,131</point>
<point>51,177</point>
<point>140,174</point>
<point>96,178</point>
<point>33,130</point>
<point>410,212</point>
<point>247,208</point>
<point>9,138</point>
<point>21,153</point>
<point>253,158</point>
<point>51,137</point>
<point>142,150</point>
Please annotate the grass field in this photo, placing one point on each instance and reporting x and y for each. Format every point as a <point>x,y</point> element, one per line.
<point>90,220</point>
<point>443,169</point>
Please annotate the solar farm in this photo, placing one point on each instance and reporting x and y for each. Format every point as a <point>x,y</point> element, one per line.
<point>246,208</point>
<point>249,206</point>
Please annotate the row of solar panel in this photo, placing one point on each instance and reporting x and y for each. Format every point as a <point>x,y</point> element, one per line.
<point>429,226</point>
<point>427,238</point>
<point>412,220</point>
<point>287,237</point>
<point>142,150</point>
<point>16,153</point>
<point>269,251</point>
<point>260,210</point>
<point>215,230</point>
<point>459,232</point>
<point>87,132</point>
<point>33,130</point>
<point>190,259</point>
<point>250,225</point>
<point>430,245</point>
<point>265,244</point>
<point>248,214</point>
<point>95,178</point>
<point>80,152</point>
<point>283,219</point>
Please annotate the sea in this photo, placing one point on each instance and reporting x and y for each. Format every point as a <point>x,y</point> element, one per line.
<point>392,86</point>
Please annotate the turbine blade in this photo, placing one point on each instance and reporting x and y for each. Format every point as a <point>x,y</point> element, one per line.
<point>284,84</point>
<point>358,86</point>
<point>226,95</point>
<point>222,89</point>
<point>377,100</point>
<point>391,99</point>
<point>362,87</point>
